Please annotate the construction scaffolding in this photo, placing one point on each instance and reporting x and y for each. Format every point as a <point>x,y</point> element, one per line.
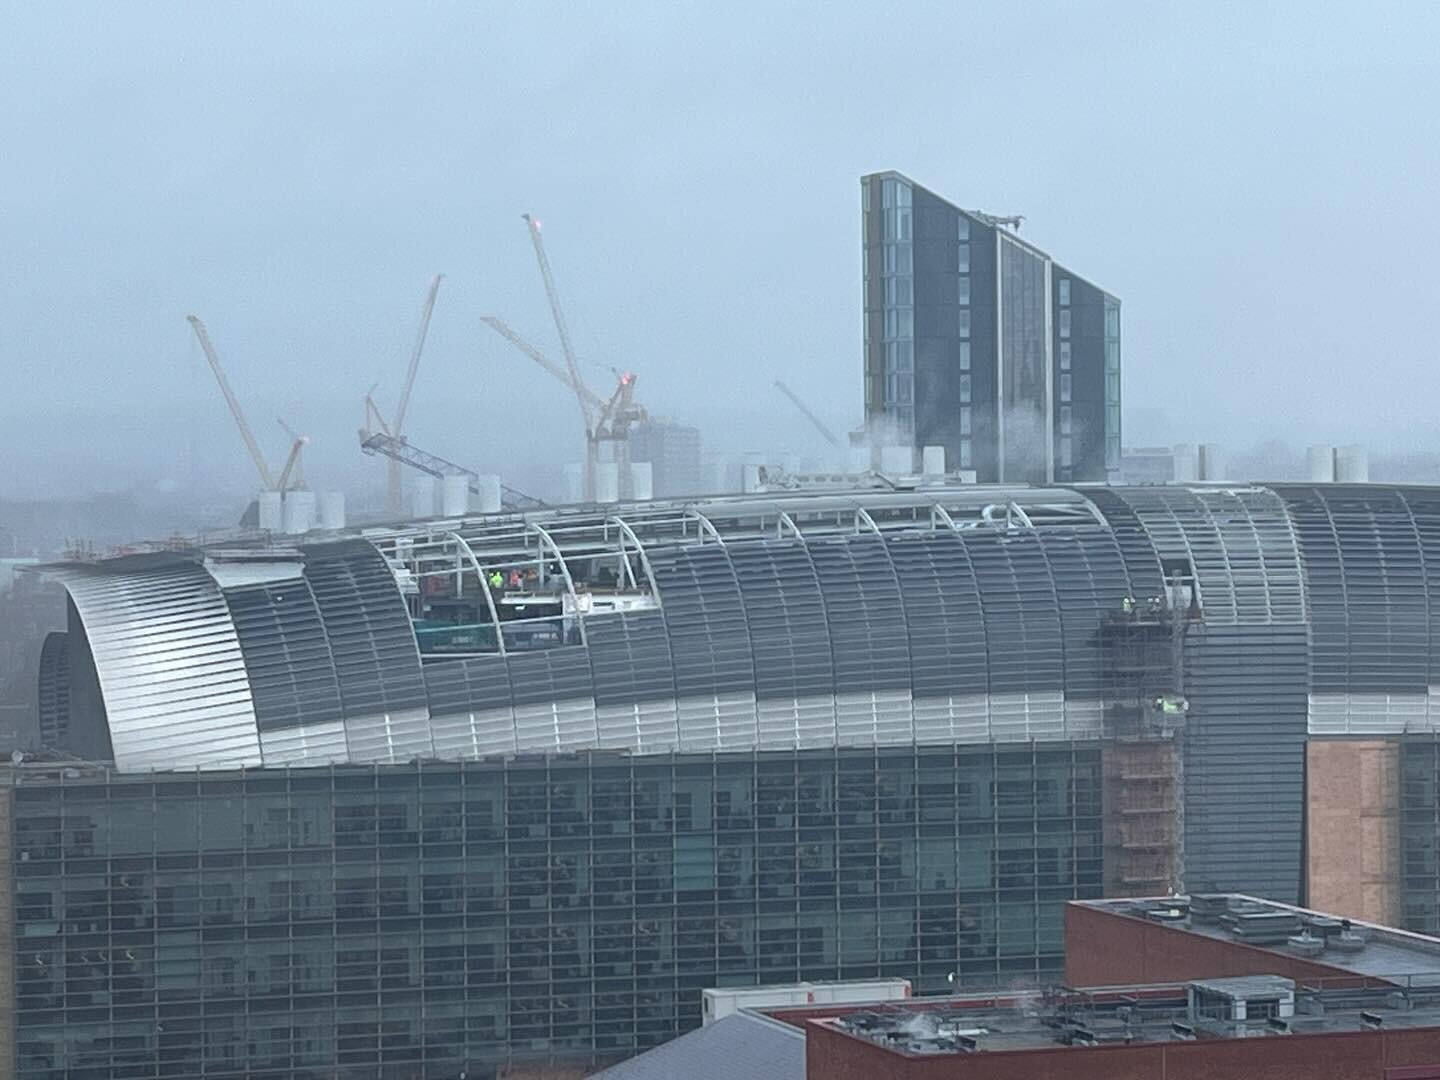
<point>1142,645</point>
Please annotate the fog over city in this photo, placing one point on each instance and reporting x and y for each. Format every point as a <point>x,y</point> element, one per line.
<point>1256,187</point>
<point>961,597</point>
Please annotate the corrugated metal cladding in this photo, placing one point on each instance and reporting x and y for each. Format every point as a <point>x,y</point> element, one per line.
<point>55,689</point>
<point>1317,616</point>
<point>176,691</point>
<point>1371,554</point>
<point>1245,678</point>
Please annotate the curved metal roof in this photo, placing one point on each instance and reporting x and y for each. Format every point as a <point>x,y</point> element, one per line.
<point>935,615</point>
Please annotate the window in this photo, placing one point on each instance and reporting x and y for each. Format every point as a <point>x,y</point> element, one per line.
<point>964,262</point>
<point>965,453</point>
<point>964,356</point>
<point>1066,452</point>
<point>964,420</point>
<point>962,228</point>
<point>1064,356</point>
<point>1064,291</point>
<point>1112,356</point>
<point>902,224</point>
<point>1064,322</point>
<point>1112,320</point>
<point>1112,386</point>
<point>1065,387</point>
<point>964,322</point>
<point>962,289</point>
<point>887,193</point>
<point>965,389</point>
<point>1066,420</point>
<point>902,193</point>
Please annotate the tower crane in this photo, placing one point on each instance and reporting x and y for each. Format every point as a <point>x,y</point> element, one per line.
<point>606,420</point>
<point>293,475</point>
<point>288,478</point>
<point>238,413</point>
<point>394,499</point>
<point>401,452</point>
<point>805,409</point>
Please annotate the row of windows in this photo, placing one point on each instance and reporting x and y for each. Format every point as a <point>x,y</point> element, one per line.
<point>1420,825</point>
<point>896,225</point>
<point>1112,384</point>
<point>894,193</point>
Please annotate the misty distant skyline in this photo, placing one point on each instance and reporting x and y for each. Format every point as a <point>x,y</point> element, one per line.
<point>1256,184</point>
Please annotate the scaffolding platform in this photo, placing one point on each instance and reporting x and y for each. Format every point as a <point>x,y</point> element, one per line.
<point>1144,718</point>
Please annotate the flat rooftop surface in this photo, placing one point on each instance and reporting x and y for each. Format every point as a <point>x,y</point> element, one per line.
<point>1126,1016</point>
<point>1386,953</point>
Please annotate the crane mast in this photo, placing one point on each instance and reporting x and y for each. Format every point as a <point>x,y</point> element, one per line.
<point>414,367</point>
<point>587,413</point>
<point>245,433</point>
<point>394,497</point>
<point>553,296</point>
<point>504,330</point>
<point>805,409</point>
<point>292,477</point>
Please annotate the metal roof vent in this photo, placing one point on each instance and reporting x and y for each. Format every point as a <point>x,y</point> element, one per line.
<point>1350,940</point>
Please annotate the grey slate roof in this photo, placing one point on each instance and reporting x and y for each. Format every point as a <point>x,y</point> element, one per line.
<point>742,1046</point>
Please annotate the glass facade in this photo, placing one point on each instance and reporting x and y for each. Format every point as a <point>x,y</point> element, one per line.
<point>1420,835</point>
<point>1112,385</point>
<point>414,920</point>
<point>1024,365</point>
<point>897,230</point>
<point>1085,379</point>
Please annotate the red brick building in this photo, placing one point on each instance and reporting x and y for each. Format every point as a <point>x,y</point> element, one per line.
<point>1211,987</point>
<point>1202,988</point>
<point>835,1054</point>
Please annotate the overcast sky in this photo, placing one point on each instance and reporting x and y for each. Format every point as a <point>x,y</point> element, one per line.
<point>1259,183</point>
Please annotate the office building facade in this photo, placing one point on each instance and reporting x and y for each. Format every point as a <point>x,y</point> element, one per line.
<point>955,653</point>
<point>673,453</point>
<point>442,919</point>
<point>977,341</point>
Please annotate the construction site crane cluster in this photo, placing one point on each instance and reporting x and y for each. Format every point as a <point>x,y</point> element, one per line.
<point>607,420</point>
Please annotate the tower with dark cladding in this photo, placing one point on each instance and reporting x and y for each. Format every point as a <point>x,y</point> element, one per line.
<point>977,341</point>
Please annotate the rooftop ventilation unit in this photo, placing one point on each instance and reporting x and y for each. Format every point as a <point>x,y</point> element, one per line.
<point>1262,926</point>
<point>1206,908</point>
<point>1306,943</point>
<point>1224,1004</point>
